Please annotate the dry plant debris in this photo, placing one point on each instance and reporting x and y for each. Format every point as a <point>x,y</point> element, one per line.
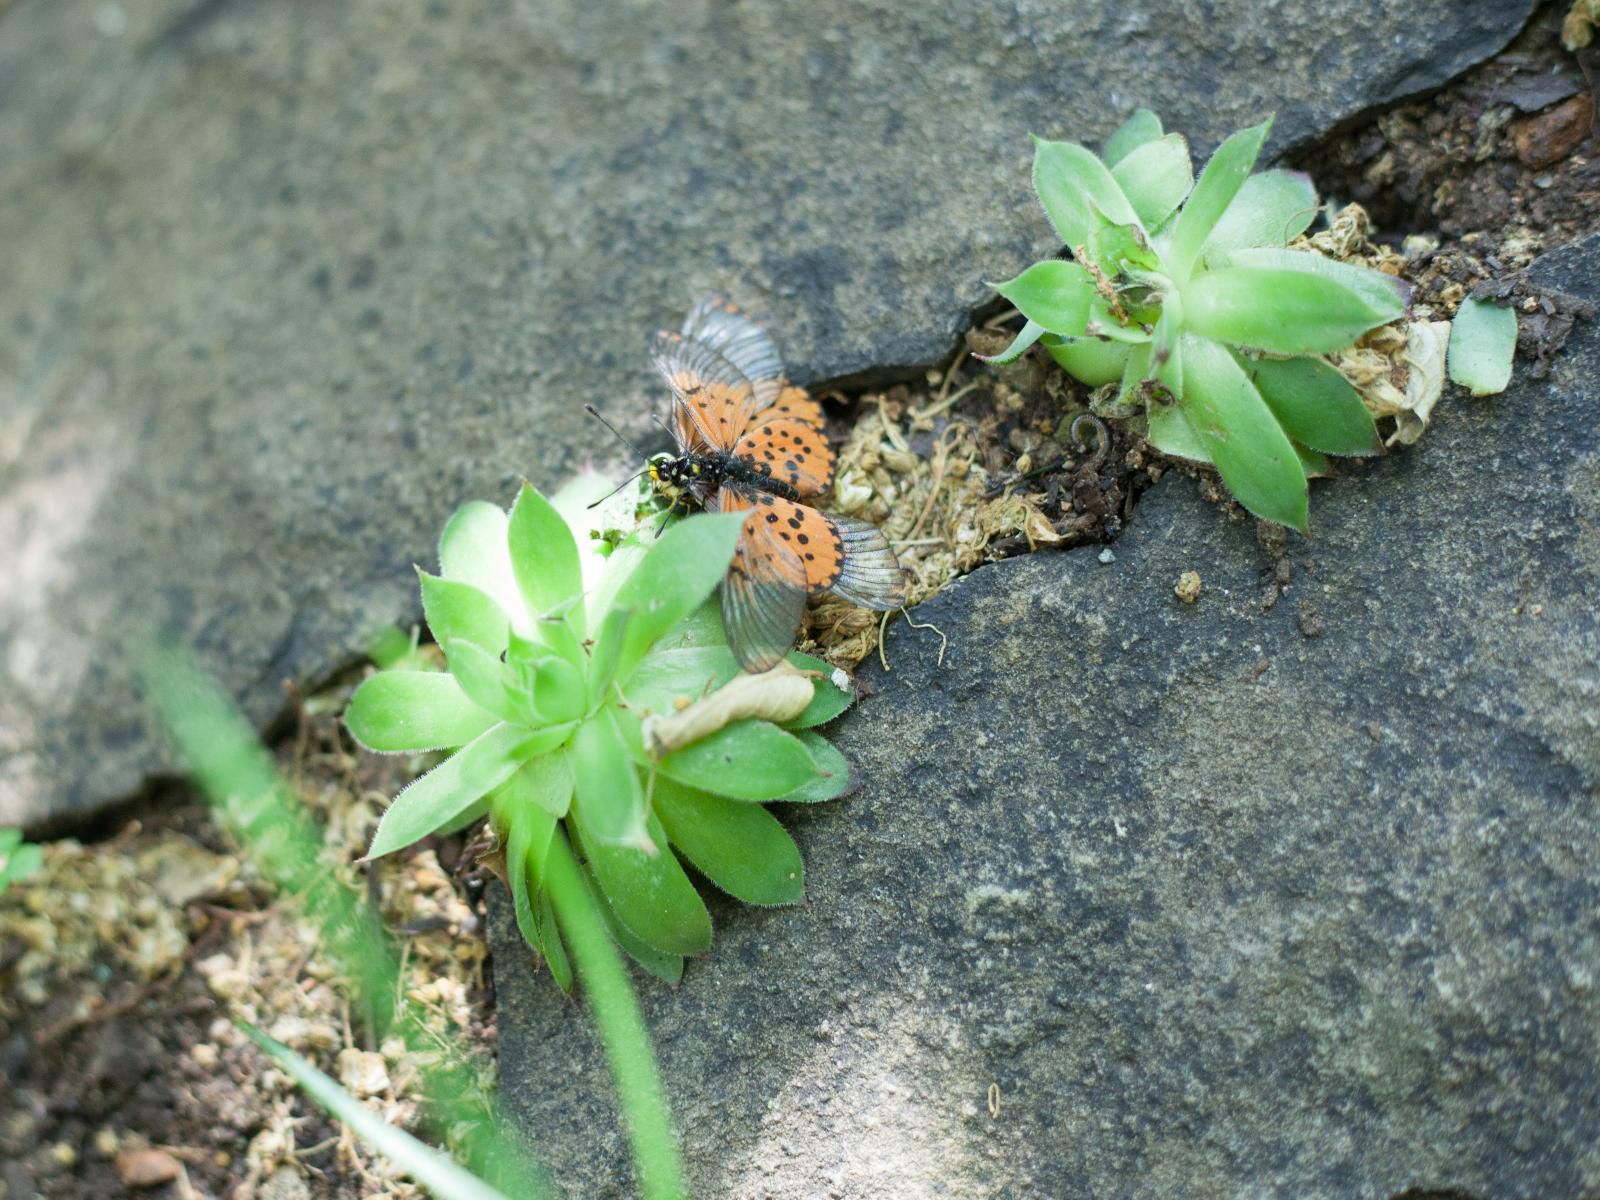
<point>152,926</point>
<point>974,465</point>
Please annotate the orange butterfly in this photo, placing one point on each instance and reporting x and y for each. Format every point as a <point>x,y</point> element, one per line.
<point>747,439</point>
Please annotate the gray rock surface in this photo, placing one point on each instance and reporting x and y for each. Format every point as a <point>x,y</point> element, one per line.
<point>1223,901</point>
<point>284,283</point>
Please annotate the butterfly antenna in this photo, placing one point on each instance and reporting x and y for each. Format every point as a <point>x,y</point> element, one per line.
<point>595,413</point>
<point>618,488</point>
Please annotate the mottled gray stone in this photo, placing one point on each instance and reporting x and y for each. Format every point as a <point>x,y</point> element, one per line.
<point>284,283</point>
<point>1220,908</point>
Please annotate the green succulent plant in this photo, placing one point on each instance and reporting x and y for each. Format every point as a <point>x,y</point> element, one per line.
<point>562,646</point>
<point>1181,291</point>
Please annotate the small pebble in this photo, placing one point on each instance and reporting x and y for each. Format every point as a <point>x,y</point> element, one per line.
<point>1187,588</point>
<point>146,1168</point>
<point>1546,138</point>
<point>1107,557</point>
<point>1310,622</point>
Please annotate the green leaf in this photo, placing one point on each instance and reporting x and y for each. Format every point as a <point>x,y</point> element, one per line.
<point>550,944</point>
<point>488,683</point>
<point>1095,362</point>
<point>1316,405</point>
<point>649,894</point>
<point>1019,346</point>
<point>1134,372</point>
<point>666,967</point>
<point>469,774</point>
<point>472,549</point>
<point>558,689</point>
<point>1272,208</point>
<point>747,760</point>
<point>1244,439</point>
<point>678,672</point>
<point>1069,179</point>
<point>391,647</point>
<point>1119,249</point>
<point>608,800</point>
<point>741,848</point>
<point>619,565</point>
<point>678,572</point>
<point>1385,293</point>
<point>828,700</point>
<point>396,711</point>
<point>831,776</point>
<point>429,1167</point>
<point>470,815</point>
<point>609,644</point>
<point>1166,348</point>
<point>1483,341</point>
<point>557,635</point>
<point>1302,304</point>
<point>702,627</point>
<point>529,831</point>
<point>1140,128</point>
<point>1219,184</point>
<point>545,783</point>
<point>1315,464</point>
<point>544,558</point>
<point>1169,431</point>
<point>1155,177</point>
<point>459,612</point>
<point>1057,295</point>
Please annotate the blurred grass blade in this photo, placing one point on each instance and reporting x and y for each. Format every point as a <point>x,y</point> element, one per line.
<point>237,774</point>
<point>645,1114</point>
<point>432,1169</point>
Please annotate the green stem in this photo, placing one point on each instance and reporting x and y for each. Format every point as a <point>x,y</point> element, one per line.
<point>621,1026</point>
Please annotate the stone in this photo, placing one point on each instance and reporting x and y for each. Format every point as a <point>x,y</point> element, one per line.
<point>284,284</point>
<point>147,1168</point>
<point>1544,139</point>
<point>1142,897</point>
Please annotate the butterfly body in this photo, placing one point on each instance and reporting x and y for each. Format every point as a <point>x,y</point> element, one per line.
<point>698,476</point>
<point>750,441</point>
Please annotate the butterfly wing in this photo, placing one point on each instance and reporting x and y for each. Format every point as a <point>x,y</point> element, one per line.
<point>790,450</point>
<point>712,402</point>
<point>738,341</point>
<point>794,402</point>
<point>764,591</point>
<point>786,551</point>
<point>869,574</point>
<point>849,558</point>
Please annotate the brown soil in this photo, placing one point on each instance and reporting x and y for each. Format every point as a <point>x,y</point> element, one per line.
<point>115,997</point>
<point>1509,153</point>
<point>123,964</point>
